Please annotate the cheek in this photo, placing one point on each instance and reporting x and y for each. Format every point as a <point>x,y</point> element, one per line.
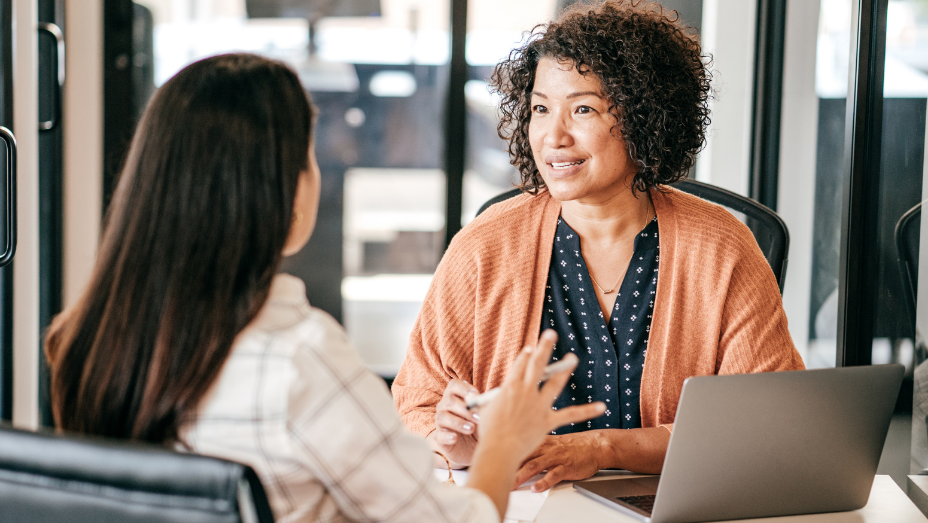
<point>533,137</point>
<point>612,147</point>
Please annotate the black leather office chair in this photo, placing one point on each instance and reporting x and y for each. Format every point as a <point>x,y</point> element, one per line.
<point>50,478</point>
<point>906,236</point>
<point>769,229</point>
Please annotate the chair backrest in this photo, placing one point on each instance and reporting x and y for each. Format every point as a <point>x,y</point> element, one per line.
<point>907,237</point>
<point>768,228</point>
<point>52,478</point>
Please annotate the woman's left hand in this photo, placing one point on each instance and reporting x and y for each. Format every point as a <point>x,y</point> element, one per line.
<point>566,457</point>
<point>580,455</point>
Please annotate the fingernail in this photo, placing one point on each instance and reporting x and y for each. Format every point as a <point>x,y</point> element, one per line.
<point>468,427</point>
<point>475,416</point>
<point>451,438</point>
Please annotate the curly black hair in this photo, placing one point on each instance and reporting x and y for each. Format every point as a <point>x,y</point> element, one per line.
<point>651,70</point>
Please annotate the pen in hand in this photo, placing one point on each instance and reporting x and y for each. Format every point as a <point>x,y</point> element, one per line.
<point>480,400</point>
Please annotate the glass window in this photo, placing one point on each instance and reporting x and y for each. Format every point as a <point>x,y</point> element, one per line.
<point>900,320</point>
<point>386,140</point>
<point>377,71</point>
<point>812,170</point>
<point>813,173</point>
<point>493,30</point>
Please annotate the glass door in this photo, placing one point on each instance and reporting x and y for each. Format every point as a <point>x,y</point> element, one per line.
<point>7,164</point>
<point>901,318</point>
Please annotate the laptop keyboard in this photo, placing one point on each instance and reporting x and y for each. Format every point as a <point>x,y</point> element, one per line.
<point>645,503</point>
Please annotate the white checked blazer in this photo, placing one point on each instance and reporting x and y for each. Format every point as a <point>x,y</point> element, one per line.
<point>295,402</point>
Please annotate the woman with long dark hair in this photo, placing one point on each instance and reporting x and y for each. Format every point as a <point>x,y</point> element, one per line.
<point>187,336</point>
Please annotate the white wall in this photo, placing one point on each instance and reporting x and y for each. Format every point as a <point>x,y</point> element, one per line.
<point>798,134</point>
<point>83,142</point>
<point>728,28</point>
<point>26,340</point>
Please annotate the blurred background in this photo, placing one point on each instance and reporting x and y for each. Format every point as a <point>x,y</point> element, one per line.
<point>379,73</point>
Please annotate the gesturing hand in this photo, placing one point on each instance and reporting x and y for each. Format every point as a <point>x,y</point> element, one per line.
<point>455,434</point>
<point>517,420</point>
<point>566,457</point>
<point>522,414</point>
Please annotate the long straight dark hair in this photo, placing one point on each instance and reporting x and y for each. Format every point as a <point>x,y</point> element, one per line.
<point>192,240</point>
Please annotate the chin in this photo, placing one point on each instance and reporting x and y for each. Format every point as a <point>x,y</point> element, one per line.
<point>565,191</point>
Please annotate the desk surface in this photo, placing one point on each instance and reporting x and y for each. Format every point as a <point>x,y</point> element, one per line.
<point>887,503</point>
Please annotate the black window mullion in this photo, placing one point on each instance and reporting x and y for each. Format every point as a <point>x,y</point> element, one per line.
<point>768,95</point>
<point>456,121</point>
<point>51,198</point>
<point>859,232</point>
<point>118,96</point>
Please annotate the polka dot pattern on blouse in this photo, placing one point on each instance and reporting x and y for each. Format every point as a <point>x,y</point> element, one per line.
<point>611,352</point>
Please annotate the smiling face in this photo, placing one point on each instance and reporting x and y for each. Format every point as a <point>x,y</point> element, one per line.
<point>570,132</point>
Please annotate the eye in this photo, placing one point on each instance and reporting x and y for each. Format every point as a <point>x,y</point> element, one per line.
<point>539,109</point>
<point>584,109</point>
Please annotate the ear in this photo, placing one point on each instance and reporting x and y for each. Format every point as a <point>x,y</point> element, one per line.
<point>305,207</point>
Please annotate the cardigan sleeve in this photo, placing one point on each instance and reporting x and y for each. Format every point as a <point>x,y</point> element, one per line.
<point>441,345</point>
<point>754,336</point>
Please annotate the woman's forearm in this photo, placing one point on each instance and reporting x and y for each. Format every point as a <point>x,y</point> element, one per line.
<point>492,472</point>
<point>638,450</point>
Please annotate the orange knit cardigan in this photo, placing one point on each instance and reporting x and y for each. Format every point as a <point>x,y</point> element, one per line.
<point>717,309</point>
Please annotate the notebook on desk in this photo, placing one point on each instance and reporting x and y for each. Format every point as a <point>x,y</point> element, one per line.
<point>763,445</point>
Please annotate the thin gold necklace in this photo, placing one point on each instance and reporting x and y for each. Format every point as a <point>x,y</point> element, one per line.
<point>604,291</point>
<point>615,285</point>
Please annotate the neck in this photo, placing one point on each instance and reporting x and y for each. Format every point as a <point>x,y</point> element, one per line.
<point>610,220</point>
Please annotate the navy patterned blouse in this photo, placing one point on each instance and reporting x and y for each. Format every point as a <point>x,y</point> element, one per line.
<point>611,353</point>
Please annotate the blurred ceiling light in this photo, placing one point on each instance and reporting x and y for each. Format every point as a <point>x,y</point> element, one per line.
<point>354,117</point>
<point>398,84</point>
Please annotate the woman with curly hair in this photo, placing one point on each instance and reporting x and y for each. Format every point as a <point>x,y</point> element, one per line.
<point>604,109</point>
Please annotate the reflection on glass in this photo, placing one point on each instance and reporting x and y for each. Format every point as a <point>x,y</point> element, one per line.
<point>812,172</point>
<point>905,89</point>
<point>900,322</point>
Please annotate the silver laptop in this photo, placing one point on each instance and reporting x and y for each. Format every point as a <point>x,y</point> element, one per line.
<point>762,445</point>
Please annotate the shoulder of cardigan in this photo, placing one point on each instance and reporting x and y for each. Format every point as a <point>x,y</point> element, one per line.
<point>507,219</point>
<point>683,217</point>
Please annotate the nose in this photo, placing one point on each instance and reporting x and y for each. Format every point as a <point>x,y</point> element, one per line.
<point>557,132</point>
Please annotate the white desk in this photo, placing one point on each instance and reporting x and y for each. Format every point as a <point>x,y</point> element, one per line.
<point>887,503</point>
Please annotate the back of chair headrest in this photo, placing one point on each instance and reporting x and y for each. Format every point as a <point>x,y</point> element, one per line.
<point>45,476</point>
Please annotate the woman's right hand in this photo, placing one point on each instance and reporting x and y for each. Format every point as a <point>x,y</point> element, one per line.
<point>522,415</point>
<point>519,418</point>
<point>455,435</point>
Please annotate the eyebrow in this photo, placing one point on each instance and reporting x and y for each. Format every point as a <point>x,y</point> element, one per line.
<point>569,96</point>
